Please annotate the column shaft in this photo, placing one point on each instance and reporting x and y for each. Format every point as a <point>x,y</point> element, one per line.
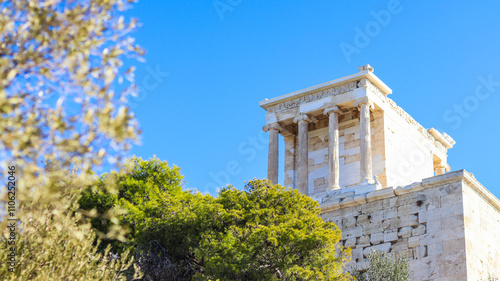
<point>365,145</point>
<point>273,157</point>
<point>302,169</point>
<point>333,151</point>
<point>333,147</point>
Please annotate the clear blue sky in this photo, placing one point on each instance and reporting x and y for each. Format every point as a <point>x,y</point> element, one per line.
<point>223,57</point>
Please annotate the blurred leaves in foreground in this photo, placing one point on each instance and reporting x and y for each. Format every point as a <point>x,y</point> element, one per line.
<point>63,112</point>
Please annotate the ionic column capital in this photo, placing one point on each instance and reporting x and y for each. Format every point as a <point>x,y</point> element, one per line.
<point>305,118</point>
<point>441,167</point>
<point>276,127</point>
<point>333,109</point>
<point>364,100</point>
<point>273,126</point>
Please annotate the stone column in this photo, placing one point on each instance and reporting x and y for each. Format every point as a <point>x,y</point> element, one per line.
<point>303,151</point>
<point>273,156</point>
<point>333,148</point>
<point>364,105</point>
<point>440,169</point>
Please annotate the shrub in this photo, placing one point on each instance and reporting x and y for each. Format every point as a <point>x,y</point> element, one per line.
<point>264,232</point>
<point>383,268</point>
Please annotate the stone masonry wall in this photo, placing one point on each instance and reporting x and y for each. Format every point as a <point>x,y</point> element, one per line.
<point>482,232</point>
<point>423,222</point>
<point>409,154</point>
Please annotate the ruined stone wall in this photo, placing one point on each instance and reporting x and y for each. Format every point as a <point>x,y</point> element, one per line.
<point>423,222</point>
<point>482,232</point>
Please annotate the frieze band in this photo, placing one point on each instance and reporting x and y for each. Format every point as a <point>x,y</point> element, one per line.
<point>316,96</point>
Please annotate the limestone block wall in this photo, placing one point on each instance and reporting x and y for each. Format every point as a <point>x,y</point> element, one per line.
<point>409,155</point>
<point>482,232</point>
<point>318,161</point>
<point>423,222</point>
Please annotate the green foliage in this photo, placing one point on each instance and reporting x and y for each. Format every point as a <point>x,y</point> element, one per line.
<point>384,268</point>
<point>56,246</point>
<point>153,260</point>
<point>56,243</point>
<point>265,232</point>
<point>58,96</point>
<point>137,195</point>
<point>60,111</point>
<point>269,232</point>
<point>158,213</point>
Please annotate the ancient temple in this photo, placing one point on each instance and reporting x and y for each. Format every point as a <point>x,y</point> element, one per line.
<point>383,179</point>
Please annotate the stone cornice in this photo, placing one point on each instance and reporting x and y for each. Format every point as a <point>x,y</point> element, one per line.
<point>417,125</point>
<point>482,191</point>
<point>457,176</point>
<point>448,142</point>
<point>331,88</point>
<point>407,117</point>
<point>296,102</point>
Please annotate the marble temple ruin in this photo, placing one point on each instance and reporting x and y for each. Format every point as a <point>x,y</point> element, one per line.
<point>384,179</point>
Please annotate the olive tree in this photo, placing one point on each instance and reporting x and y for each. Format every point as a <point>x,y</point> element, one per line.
<point>383,268</point>
<point>63,111</point>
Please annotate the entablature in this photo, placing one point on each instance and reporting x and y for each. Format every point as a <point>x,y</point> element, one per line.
<point>343,93</point>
